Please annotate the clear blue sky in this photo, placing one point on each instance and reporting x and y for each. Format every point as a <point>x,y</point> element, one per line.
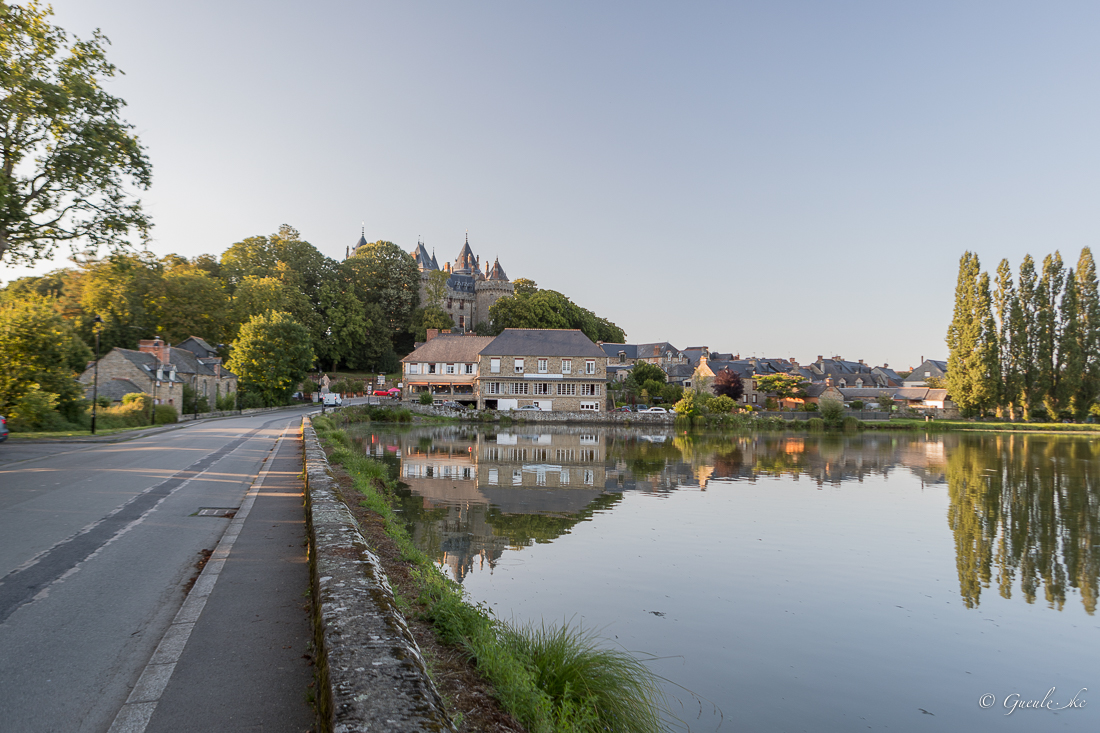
<point>784,179</point>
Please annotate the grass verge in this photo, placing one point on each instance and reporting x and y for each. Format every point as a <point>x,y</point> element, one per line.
<point>551,678</point>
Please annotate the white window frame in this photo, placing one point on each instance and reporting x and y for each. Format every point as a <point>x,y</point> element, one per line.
<point>494,366</point>
<point>519,387</point>
<point>566,366</point>
<point>567,390</point>
<point>469,369</point>
<point>590,366</point>
<point>517,366</point>
<point>414,369</point>
<point>590,406</point>
<point>543,366</point>
<point>542,388</point>
<point>590,390</point>
<point>450,368</point>
<point>494,387</point>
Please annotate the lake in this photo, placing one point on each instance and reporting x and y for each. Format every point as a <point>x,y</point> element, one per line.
<point>787,581</point>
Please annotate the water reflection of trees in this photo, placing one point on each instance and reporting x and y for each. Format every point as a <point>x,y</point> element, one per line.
<point>1026,508</point>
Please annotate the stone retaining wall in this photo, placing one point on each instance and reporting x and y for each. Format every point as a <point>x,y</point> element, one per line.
<point>372,675</point>
<point>604,418</point>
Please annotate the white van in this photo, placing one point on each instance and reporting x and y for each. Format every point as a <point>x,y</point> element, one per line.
<point>332,399</point>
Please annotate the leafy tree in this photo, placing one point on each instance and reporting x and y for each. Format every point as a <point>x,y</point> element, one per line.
<point>972,340</point>
<point>722,404</point>
<point>643,372</point>
<point>1024,336</point>
<point>430,317</point>
<point>782,386</point>
<point>40,353</point>
<point>195,304</point>
<point>935,382</point>
<point>886,401</point>
<point>127,292</point>
<point>1005,301</point>
<point>1047,328</point>
<point>1071,356</point>
<point>436,288</point>
<point>67,159</point>
<point>1088,310</point>
<point>524,287</point>
<point>271,356</point>
<point>728,383</point>
<point>532,308</point>
<point>388,277</point>
<point>832,412</point>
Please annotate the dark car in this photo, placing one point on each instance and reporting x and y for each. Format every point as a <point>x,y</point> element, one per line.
<point>3,429</point>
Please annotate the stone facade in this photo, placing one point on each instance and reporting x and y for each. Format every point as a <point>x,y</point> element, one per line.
<point>557,370</point>
<point>160,371</point>
<point>470,291</point>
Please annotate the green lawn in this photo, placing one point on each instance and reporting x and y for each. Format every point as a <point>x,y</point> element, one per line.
<point>998,425</point>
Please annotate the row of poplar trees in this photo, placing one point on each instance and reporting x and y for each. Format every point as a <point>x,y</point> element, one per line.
<point>1028,349</point>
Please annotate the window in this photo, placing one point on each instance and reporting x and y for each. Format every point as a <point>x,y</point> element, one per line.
<point>431,369</point>
<point>927,374</point>
<point>754,399</point>
<point>519,366</point>
<point>494,366</point>
<point>588,455</point>
<point>494,387</point>
<point>589,439</point>
<point>566,366</point>
<point>414,369</point>
<point>542,388</point>
<point>450,302</point>
<point>542,366</point>
<point>565,454</point>
<point>461,319</point>
<point>563,477</point>
<point>622,357</point>
<point>590,366</point>
<point>469,369</point>
<point>593,406</point>
<point>567,390</point>
<point>450,368</point>
<point>590,390</point>
<point>461,307</point>
<point>519,388</point>
<point>588,477</point>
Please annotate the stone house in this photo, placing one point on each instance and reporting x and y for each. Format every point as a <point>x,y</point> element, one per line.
<point>555,369</point>
<point>160,370</point>
<point>446,365</point>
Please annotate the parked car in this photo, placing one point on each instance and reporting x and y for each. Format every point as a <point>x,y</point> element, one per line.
<point>381,393</point>
<point>3,429</point>
<point>641,408</point>
<point>529,408</point>
<point>332,399</point>
<point>656,409</point>
<point>624,408</point>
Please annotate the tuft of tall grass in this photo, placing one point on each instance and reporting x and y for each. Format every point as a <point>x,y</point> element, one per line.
<point>592,687</point>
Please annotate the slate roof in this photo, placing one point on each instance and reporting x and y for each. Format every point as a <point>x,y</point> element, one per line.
<point>542,342</point>
<point>466,262</point>
<point>199,345</point>
<point>656,350</point>
<point>867,394</point>
<point>612,350</point>
<point>449,348</point>
<point>114,389</point>
<point>423,261</point>
<point>461,283</point>
<point>742,367</point>
<point>497,273</point>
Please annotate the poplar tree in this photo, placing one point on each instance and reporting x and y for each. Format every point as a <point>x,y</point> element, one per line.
<point>1088,314</point>
<point>964,337</point>
<point>1025,336</point>
<point>1047,296</point>
<point>1007,305</point>
<point>987,378</point>
<point>1071,359</point>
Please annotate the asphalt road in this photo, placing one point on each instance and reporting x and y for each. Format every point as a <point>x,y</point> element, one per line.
<point>98,543</point>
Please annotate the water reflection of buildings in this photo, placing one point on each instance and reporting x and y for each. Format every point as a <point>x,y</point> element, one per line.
<point>500,490</point>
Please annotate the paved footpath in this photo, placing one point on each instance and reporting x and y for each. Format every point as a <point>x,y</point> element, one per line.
<point>233,659</point>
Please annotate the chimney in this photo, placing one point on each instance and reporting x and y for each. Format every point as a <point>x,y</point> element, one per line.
<point>861,362</point>
<point>432,333</point>
<point>819,357</point>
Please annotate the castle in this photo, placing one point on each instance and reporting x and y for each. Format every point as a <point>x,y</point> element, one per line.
<point>469,291</point>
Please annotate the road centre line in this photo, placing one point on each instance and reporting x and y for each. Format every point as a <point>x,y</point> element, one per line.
<point>33,578</point>
<point>138,709</point>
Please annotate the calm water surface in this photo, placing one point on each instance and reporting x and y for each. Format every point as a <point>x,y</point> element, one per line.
<point>786,582</point>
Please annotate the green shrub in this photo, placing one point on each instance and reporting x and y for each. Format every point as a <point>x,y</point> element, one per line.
<point>809,407</point>
<point>857,404</point>
<point>722,404</point>
<point>815,424</point>
<point>252,400</point>
<point>227,401</point>
<point>166,414</point>
<point>426,398</point>
<point>832,412</point>
<point>851,423</point>
<point>36,410</point>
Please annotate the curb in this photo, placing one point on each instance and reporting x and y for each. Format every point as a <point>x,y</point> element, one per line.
<point>371,674</point>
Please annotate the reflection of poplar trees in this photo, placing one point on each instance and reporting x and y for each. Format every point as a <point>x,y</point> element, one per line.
<point>1029,507</point>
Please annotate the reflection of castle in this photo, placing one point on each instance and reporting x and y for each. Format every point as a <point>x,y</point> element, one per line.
<point>469,291</point>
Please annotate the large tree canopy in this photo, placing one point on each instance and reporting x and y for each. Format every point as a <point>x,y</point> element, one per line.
<point>271,356</point>
<point>66,156</point>
<point>534,308</point>
<point>387,276</point>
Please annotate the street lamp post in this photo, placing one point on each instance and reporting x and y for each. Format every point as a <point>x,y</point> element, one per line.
<point>95,379</point>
